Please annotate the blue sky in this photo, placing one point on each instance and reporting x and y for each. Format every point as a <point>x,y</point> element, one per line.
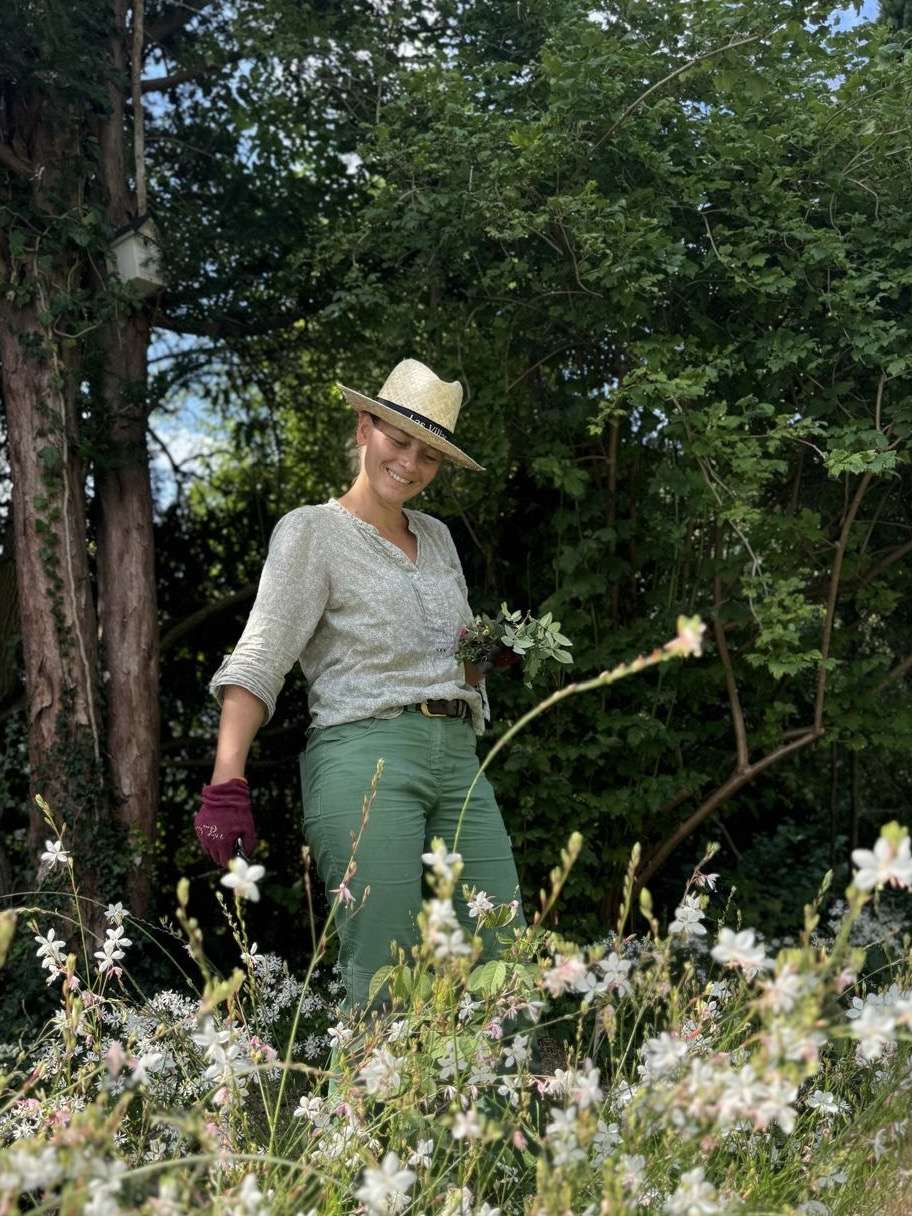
<point>868,13</point>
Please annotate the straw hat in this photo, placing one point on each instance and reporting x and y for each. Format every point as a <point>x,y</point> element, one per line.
<point>420,403</point>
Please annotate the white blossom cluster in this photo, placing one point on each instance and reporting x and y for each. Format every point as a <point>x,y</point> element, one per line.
<point>720,1047</point>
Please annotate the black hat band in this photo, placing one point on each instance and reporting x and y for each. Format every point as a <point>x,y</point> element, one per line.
<point>433,427</point>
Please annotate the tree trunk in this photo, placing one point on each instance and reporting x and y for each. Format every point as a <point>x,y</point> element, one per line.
<point>55,602</point>
<point>9,653</point>
<point>127,603</point>
<point>126,555</point>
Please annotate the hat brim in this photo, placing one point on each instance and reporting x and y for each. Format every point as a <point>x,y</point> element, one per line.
<point>358,401</point>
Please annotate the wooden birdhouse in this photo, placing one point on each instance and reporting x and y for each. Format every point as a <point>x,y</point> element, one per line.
<point>135,257</point>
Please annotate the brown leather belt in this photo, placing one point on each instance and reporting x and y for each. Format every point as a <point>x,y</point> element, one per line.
<point>442,709</point>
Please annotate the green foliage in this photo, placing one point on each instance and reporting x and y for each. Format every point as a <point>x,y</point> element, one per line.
<point>667,250</point>
<point>677,280</point>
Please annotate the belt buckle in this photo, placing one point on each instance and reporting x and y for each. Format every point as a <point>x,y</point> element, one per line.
<point>423,706</point>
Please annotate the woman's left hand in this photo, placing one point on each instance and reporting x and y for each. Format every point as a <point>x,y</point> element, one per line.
<point>472,674</point>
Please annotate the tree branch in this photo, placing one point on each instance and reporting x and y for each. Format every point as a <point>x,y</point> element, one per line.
<point>897,673</point>
<point>15,163</point>
<point>725,791</point>
<point>832,597</point>
<point>679,71</point>
<point>189,623</point>
<point>887,560</point>
<point>161,84</point>
<point>743,762</point>
<point>226,327</point>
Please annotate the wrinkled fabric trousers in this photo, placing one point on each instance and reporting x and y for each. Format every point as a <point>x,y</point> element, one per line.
<point>429,764</point>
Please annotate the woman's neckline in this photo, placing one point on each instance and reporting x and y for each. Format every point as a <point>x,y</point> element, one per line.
<point>375,531</point>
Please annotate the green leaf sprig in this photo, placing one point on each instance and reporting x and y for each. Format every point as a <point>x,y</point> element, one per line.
<point>534,640</point>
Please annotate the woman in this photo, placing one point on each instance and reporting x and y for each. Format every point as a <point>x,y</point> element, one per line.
<point>369,597</point>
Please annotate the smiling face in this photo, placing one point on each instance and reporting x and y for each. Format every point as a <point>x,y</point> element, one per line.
<point>397,465</point>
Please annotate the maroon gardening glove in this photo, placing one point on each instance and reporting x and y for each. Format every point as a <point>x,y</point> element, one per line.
<point>506,657</point>
<point>502,657</point>
<point>223,817</point>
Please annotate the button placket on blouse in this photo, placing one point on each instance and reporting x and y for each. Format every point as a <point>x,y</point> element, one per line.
<point>403,561</point>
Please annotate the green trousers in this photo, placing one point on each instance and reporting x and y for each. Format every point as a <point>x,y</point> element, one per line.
<point>429,764</point>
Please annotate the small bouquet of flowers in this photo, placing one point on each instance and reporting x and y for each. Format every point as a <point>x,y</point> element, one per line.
<point>513,637</point>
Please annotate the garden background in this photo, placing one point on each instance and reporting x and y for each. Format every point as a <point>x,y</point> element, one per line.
<point>665,246</point>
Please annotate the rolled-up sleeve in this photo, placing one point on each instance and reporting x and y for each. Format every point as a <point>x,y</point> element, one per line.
<point>292,594</point>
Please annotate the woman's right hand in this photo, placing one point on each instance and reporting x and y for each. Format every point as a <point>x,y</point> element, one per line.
<point>224,816</point>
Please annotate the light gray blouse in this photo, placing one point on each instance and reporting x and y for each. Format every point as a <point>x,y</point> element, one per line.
<point>372,630</point>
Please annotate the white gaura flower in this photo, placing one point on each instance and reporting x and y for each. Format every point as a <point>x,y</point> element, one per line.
<point>341,1035</point>
<point>451,945</point>
<point>826,1103</point>
<point>50,951</point>
<point>466,1126</point>
<point>115,1058</point>
<point>517,1051</point>
<point>740,1097</point>
<point>875,1029</point>
<point>775,1105</point>
<point>561,1138</point>
<point>312,1108</point>
<point>380,1074</point>
<point>889,863</point>
<point>444,932</point>
<point>211,1040</point>
<point>706,880</point>
<point>740,950</point>
<point>111,951</point>
<point>688,918</point>
<point>251,1201</point>
<point>606,1139</point>
<point>445,865</point>
<point>452,1060</point>
<point>630,1168</point>
<point>566,973</point>
<point>103,1190</point>
<point>102,1200</point>
<point>118,937</point>
<point>661,1056</point>
<point>782,993</point>
<point>786,1042</point>
<point>25,1171</point>
<point>694,1196</point>
<point>421,1154</point>
<point>615,971</point>
<point>398,1031</point>
<point>479,904</point>
<point>151,1061</point>
<point>509,1087</point>
<point>385,1189</point>
<point>243,878</point>
<point>584,1086</point>
<point>55,854</point>
<point>467,1006</point>
<point>115,913</point>
<point>344,892</point>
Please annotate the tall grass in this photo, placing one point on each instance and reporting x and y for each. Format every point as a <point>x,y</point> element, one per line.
<point>699,1069</point>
